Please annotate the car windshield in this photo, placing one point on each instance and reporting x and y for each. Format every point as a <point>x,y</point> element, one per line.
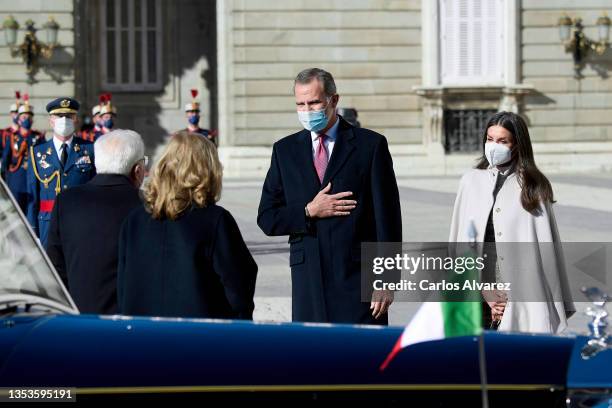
<point>26,275</point>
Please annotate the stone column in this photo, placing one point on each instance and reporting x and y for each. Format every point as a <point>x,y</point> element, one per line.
<point>433,115</point>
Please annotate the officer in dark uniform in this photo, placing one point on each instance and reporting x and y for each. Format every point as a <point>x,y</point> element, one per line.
<point>15,156</point>
<point>6,132</point>
<point>62,162</point>
<point>192,113</point>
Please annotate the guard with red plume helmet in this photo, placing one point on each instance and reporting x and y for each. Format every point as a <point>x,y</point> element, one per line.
<point>108,114</point>
<point>93,133</point>
<point>15,153</point>
<point>192,113</point>
<point>14,126</point>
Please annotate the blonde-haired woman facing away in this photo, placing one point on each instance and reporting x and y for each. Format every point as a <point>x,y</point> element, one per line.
<point>180,254</point>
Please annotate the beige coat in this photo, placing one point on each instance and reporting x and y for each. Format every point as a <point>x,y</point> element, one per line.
<point>544,261</point>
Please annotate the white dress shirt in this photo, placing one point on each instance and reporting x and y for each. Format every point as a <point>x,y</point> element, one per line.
<point>330,140</point>
<point>58,146</point>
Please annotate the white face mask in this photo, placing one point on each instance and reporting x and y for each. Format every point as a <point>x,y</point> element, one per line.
<point>63,126</point>
<point>497,153</point>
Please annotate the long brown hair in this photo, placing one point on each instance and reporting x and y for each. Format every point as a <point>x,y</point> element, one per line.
<point>188,174</point>
<point>535,187</point>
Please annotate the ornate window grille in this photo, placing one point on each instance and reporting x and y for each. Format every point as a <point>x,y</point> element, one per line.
<point>463,129</point>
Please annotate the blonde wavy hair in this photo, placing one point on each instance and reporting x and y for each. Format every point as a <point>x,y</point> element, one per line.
<point>187,174</point>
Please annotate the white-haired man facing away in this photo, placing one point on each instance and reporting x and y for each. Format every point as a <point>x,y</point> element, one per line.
<point>86,220</point>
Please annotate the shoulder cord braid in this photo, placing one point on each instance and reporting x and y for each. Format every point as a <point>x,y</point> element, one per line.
<point>5,136</point>
<point>47,180</point>
<point>18,154</point>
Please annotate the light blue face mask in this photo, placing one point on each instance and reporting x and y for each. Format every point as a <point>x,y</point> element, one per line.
<point>314,121</point>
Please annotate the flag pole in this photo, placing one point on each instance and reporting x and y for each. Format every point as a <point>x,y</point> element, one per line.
<point>482,362</point>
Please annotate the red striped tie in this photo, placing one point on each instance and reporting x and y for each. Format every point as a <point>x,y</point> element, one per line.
<point>320,159</point>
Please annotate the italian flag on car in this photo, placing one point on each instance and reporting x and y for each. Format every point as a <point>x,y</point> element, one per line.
<point>437,321</point>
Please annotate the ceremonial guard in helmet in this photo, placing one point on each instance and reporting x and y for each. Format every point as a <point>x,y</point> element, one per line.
<point>108,115</point>
<point>16,152</point>
<point>192,113</point>
<point>96,131</point>
<point>6,132</point>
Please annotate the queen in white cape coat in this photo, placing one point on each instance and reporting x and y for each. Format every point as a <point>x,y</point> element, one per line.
<point>547,281</point>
